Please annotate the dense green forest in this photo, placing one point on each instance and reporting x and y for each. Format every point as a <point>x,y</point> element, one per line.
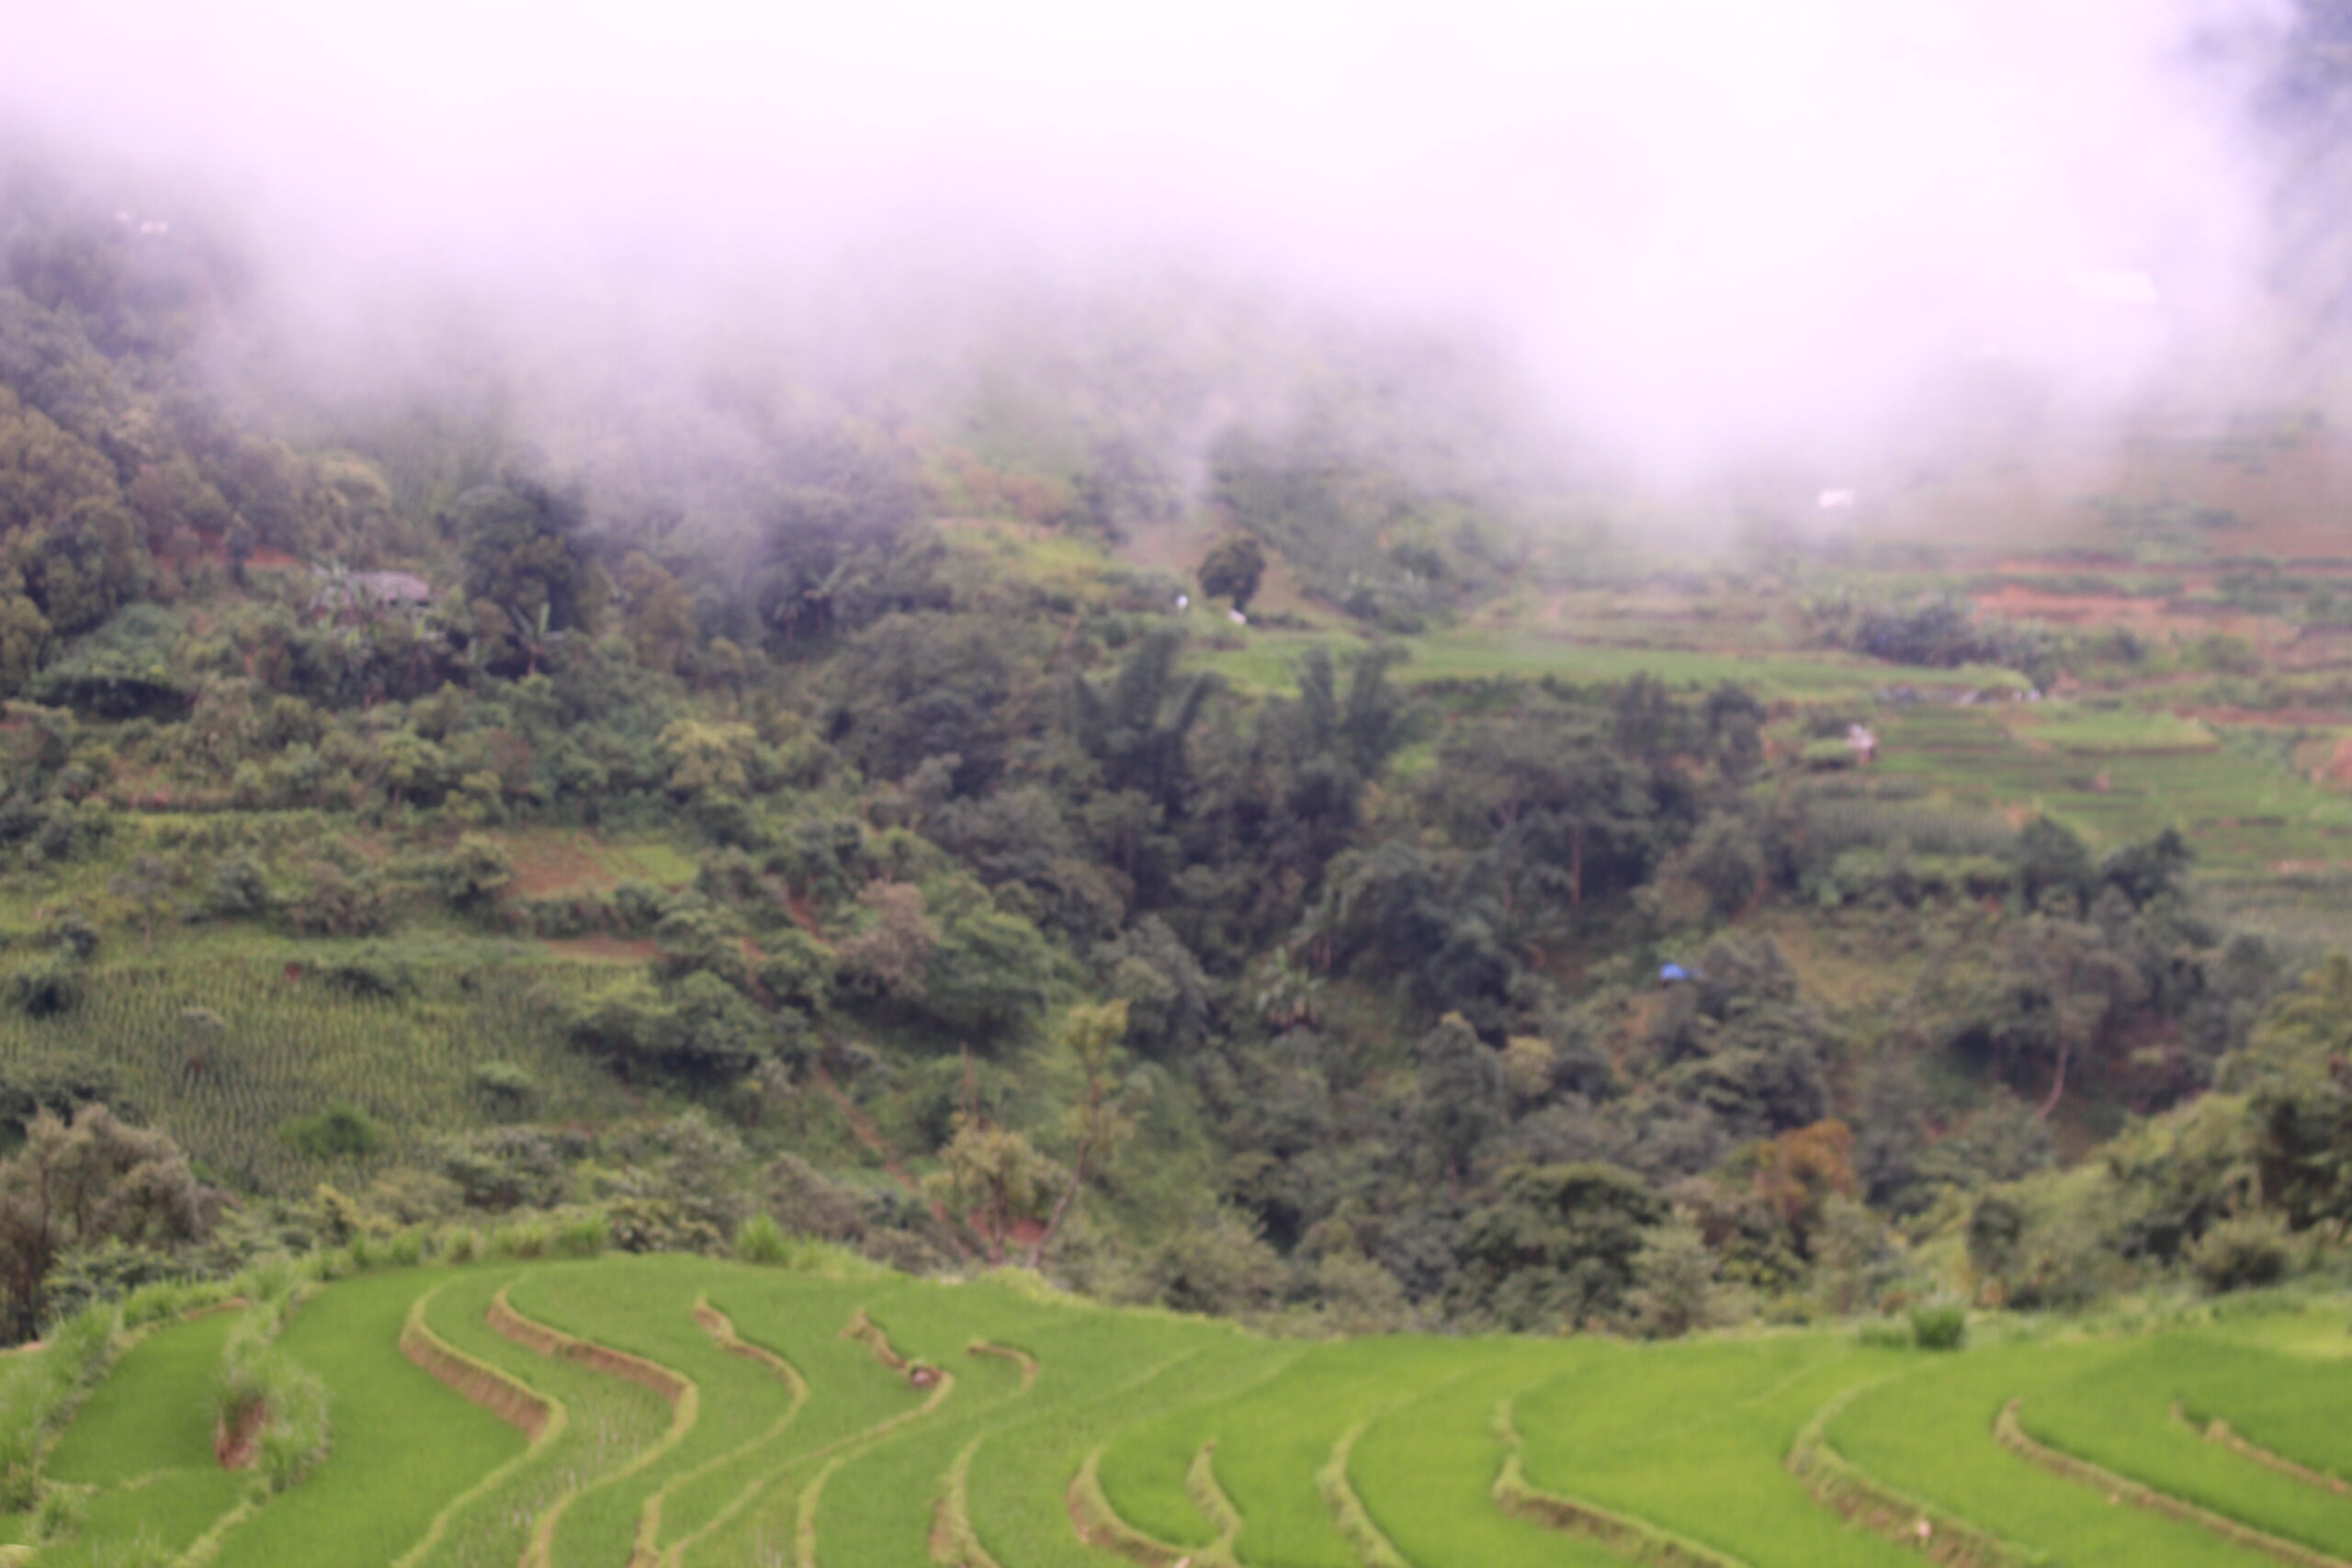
<point>1170,797</point>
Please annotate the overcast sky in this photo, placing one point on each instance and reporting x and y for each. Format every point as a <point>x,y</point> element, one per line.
<point>1697,220</point>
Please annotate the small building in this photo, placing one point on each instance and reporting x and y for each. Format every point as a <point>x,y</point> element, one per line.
<point>1673,974</point>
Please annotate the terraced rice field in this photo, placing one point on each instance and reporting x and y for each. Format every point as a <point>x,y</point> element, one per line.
<point>2115,778</point>
<point>673,1412</point>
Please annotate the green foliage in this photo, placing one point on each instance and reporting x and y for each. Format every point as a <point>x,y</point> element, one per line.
<point>581,1236</point>
<point>1558,1246</point>
<point>1233,569</point>
<point>1936,630</point>
<point>2240,1254</point>
<point>1674,1282</point>
<point>508,1091</point>
<point>82,1184</point>
<point>47,987</point>
<point>338,1133</point>
<point>126,668</point>
<point>1940,1327</point>
<point>517,541</point>
<point>760,1240</point>
<point>474,875</point>
<point>700,1030</point>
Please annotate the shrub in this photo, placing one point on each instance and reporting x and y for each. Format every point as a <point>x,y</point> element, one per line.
<point>760,1240</point>
<point>1940,1327</point>
<point>582,1235</point>
<point>474,875</point>
<point>61,1516</point>
<point>2243,1253</point>
<point>505,1089</point>
<point>239,890</point>
<point>520,1240</point>
<point>340,1131</point>
<point>1880,1334</point>
<point>369,974</point>
<point>295,1437</point>
<point>47,987</point>
<point>256,1377</point>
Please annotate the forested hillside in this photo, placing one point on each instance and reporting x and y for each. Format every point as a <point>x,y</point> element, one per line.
<point>1192,796</point>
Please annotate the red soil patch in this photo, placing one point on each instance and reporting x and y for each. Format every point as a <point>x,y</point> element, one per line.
<point>237,1447</point>
<point>265,559</point>
<point>2018,603</point>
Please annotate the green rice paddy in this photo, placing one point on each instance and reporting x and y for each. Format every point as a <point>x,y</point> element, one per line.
<point>664,1411</point>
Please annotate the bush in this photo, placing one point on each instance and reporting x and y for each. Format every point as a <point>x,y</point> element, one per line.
<point>2241,1253</point>
<point>257,1378</point>
<point>1940,1327</point>
<point>61,1516</point>
<point>1882,1334</point>
<point>47,988</point>
<point>521,1240</point>
<point>582,1235</point>
<point>340,1131</point>
<point>506,1089</point>
<point>760,1240</point>
<point>38,1396</point>
<point>369,974</point>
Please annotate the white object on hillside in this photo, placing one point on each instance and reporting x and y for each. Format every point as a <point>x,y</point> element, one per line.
<point>1236,617</point>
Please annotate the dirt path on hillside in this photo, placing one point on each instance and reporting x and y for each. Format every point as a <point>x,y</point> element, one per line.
<point>862,1128</point>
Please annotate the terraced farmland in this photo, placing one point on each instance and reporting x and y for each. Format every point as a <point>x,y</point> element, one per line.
<point>668,1411</point>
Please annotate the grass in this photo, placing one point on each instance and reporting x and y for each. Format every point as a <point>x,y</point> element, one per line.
<point>1685,1442</point>
<point>2119,1415</point>
<point>1265,663</point>
<point>1426,1466</point>
<point>2115,732</point>
<point>1929,1434</point>
<point>1628,1431</point>
<point>2241,813</point>
<point>405,1060</point>
<point>153,1412</point>
<point>610,1422</point>
<point>403,1444</point>
<point>143,1441</point>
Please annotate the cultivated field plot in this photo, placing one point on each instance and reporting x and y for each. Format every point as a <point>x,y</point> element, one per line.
<point>222,1054</point>
<point>1266,662</point>
<point>2116,777</point>
<point>661,1412</point>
